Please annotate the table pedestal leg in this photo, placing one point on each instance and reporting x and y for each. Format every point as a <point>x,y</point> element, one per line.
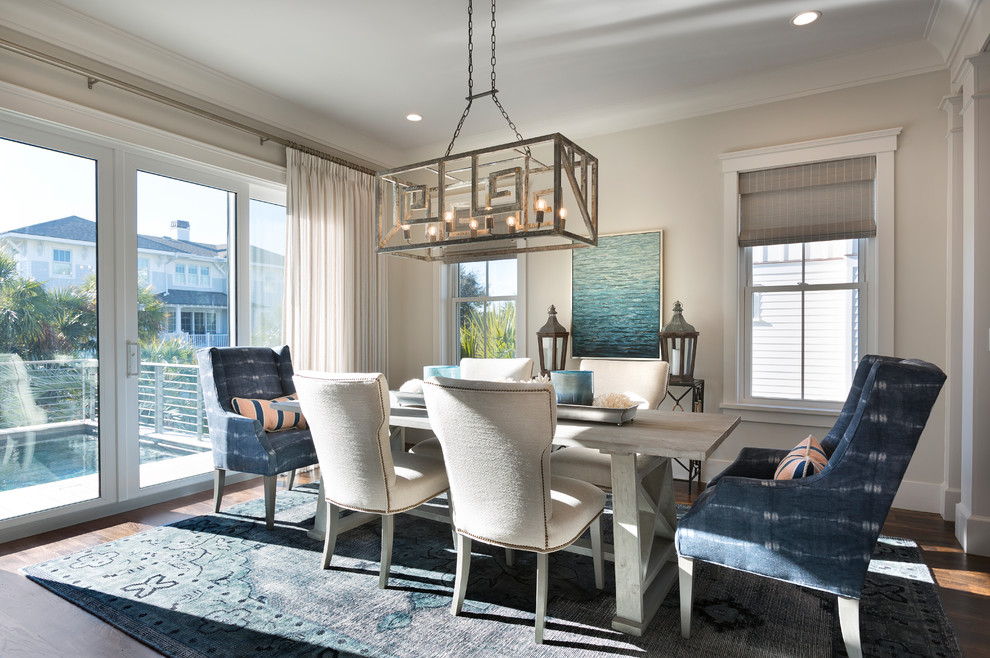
<point>644,518</point>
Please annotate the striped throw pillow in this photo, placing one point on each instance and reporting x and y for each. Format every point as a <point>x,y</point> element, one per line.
<point>272,420</point>
<point>807,458</point>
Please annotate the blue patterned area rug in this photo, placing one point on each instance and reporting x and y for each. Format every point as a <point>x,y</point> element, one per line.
<point>222,585</point>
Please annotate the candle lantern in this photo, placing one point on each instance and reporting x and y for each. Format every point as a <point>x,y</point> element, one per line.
<point>678,347</point>
<point>552,338</point>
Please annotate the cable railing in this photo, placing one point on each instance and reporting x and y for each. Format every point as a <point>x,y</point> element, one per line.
<point>65,390</point>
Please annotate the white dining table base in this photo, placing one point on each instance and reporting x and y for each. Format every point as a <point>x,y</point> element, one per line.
<point>643,521</point>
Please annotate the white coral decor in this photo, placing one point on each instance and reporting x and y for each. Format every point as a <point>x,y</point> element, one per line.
<point>613,401</point>
<point>412,386</point>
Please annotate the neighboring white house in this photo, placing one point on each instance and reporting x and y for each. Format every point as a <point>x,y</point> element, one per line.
<point>189,277</point>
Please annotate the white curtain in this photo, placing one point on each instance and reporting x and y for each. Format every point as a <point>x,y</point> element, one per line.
<point>334,312</point>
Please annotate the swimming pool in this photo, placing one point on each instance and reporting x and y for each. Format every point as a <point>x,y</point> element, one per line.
<point>69,450</point>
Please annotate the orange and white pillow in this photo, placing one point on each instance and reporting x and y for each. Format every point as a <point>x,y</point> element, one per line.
<point>807,458</point>
<point>272,420</point>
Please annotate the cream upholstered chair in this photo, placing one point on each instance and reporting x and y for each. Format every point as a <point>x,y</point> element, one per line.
<point>484,369</point>
<point>496,368</point>
<point>348,417</point>
<point>496,440</point>
<point>645,382</point>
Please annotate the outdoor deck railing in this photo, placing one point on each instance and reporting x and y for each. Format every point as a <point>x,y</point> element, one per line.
<point>169,397</point>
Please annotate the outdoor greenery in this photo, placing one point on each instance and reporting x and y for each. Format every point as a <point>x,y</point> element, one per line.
<point>41,324</point>
<point>488,333</point>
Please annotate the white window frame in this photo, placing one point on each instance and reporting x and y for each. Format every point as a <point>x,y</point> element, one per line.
<point>58,275</point>
<point>877,270</point>
<point>204,276</point>
<point>175,275</point>
<point>445,347</point>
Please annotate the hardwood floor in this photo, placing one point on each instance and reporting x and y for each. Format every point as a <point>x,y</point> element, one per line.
<point>34,622</point>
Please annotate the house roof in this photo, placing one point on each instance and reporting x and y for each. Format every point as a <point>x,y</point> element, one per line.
<point>193,298</point>
<point>77,229</point>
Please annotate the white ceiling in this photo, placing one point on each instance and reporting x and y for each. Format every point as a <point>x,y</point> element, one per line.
<point>573,66</point>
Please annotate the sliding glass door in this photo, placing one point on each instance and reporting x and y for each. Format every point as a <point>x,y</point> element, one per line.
<point>50,429</point>
<point>182,306</point>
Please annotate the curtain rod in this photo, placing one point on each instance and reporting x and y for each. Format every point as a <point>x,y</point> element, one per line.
<point>93,77</point>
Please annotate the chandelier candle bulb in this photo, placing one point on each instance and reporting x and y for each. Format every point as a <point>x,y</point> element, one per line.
<point>405,231</point>
<point>510,221</point>
<point>474,227</point>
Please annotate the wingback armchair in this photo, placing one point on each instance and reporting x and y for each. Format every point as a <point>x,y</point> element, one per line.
<point>240,443</point>
<point>817,531</point>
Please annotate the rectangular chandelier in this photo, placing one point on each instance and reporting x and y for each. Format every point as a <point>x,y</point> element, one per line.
<point>531,195</point>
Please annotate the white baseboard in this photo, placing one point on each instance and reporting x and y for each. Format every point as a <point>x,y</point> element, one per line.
<point>973,532</point>
<point>951,496</point>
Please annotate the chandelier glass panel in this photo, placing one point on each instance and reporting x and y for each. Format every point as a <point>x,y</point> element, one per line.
<point>529,195</point>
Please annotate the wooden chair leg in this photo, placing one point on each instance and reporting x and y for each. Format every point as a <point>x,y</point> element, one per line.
<point>849,623</point>
<point>461,575</point>
<point>598,552</point>
<point>388,529</point>
<point>686,576</point>
<point>542,577</point>
<point>330,539</point>
<point>219,475</point>
<point>270,481</point>
<point>291,480</point>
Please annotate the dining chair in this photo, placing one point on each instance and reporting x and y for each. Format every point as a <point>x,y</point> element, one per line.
<point>251,377</point>
<point>348,414</point>
<point>473,368</point>
<point>817,531</point>
<point>496,439</point>
<point>644,382</point>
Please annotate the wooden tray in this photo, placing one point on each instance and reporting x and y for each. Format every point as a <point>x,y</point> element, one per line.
<point>564,411</point>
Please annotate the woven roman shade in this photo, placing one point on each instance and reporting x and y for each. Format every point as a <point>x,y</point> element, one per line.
<point>833,200</point>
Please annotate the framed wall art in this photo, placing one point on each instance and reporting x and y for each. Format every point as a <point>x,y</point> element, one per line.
<point>616,291</point>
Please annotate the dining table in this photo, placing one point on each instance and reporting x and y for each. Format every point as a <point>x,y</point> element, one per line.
<point>644,513</point>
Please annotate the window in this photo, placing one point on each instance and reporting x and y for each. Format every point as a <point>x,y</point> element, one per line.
<point>61,263</point>
<point>204,277</point>
<point>810,226</point>
<point>180,275</point>
<point>144,272</point>
<point>267,271</point>
<point>485,302</point>
<point>199,323</point>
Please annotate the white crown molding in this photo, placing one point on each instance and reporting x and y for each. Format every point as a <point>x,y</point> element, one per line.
<point>59,26</point>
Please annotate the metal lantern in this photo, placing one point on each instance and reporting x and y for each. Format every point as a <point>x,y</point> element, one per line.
<point>678,347</point>
<point>552,338</point>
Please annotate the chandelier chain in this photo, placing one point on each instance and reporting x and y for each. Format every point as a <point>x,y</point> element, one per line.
<point>493,92</point>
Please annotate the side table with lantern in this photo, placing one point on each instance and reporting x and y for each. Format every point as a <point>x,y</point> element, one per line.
<point>678,347</point>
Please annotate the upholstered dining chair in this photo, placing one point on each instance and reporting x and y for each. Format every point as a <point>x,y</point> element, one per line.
<point>644,382</point>
<point>267,444</point>
<point>817,531</point>
<point>472,368</point>
<point>348,414</point>
<point>496,440</point>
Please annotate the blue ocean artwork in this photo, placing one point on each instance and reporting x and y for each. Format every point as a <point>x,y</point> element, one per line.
<point>615,297</point>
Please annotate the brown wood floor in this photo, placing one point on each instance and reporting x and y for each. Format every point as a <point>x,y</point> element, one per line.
<point>34,622</point>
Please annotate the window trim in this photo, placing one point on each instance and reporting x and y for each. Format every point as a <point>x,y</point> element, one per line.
<point>879,336</point>
<point>444,346</point>
<point>55,261</point>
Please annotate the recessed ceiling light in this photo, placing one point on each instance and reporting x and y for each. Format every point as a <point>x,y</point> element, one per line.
<point>806,18</point>
<point>414,117</point>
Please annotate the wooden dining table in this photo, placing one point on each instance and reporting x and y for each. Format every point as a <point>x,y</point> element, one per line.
<point>643,507</point>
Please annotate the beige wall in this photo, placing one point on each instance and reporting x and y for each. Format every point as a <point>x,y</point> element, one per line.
<point>669,177</point>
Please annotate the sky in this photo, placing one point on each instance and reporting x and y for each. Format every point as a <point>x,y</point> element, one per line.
<point>38,185</point>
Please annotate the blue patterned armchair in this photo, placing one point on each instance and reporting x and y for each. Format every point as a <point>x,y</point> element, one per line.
<point>817,531</point>
<point>240,443</point>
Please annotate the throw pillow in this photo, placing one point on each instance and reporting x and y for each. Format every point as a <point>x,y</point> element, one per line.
<point>273,420</point>
<point>807,458</point>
